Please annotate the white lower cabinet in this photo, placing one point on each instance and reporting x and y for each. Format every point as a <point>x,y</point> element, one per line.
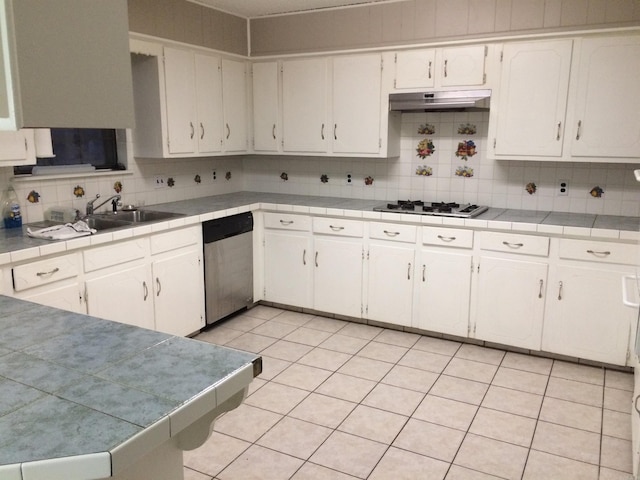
<point>585,316</point>
<point>122,295</point>
<point>338,266</point>
<point>510,289</point>
<point>288,260</point>
<point>391,266</point>
<point>443,281</point>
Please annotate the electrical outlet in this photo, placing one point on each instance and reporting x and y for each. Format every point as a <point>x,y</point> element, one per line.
<point>349,180</point>
<point>160,183</point>
<point>563,188</point>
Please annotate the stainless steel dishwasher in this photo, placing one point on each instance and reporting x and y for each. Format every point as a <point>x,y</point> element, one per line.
<point>228,265</point>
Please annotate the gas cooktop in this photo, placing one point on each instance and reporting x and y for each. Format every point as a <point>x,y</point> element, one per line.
<point>441,209</point>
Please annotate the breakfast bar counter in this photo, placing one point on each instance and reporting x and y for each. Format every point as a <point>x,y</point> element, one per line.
<point>86,398</point>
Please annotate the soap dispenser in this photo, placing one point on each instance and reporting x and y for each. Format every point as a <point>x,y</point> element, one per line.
<point>11,209</point>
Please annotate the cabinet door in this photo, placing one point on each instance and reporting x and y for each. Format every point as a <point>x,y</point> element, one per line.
<point>65,297</point>
<point>338,276</point>
<point>208,84</point>
<point>124,296</point>
<point>585,317</point>
<point>462,66</point>
<point>415,68</point>
<point>510,302</point>
<point>390,292</point>
<point>356,104</point>
<point>266,130</point>
<point>234,89</point>
<point>443,280</point>
<point>532,98</point>
<point>178,293</point>
<point>606,121</point>
<point>179,74</point>
<point>17,148</point>
<point>288,268</point>
<point>304,105</point>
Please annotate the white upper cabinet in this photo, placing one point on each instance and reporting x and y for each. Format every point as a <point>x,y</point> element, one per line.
<point>266,125</point>
<point>532,101</point>
<point>605,119</point>
<point>65,64</point>
<point>304,105</point>
<point>17,148</point>
<point>187,103</point>
<point>570,100</point>
<point>234,100</point>
<point>443,67</point>
<point>356,104</point>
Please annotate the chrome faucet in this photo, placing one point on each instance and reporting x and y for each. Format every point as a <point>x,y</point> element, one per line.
<point>114,203</point>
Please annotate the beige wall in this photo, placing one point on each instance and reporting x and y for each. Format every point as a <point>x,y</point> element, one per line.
<point>188,22</point>
<point>425,21</point>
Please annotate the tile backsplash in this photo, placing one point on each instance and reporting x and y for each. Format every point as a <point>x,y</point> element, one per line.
<point>608,189</point>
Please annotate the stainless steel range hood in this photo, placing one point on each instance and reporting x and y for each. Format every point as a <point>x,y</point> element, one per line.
<point>468,100</point>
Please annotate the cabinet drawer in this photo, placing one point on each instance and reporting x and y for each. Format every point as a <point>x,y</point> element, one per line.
<point>393,231</point>
<point>43,272</point>
<point>114,254</point>
<point>605,252</point>
<point>337,226</point>
<point>174,239</point>
<point>286,221</point>
<point>447,237</point>
<point>514,243</point>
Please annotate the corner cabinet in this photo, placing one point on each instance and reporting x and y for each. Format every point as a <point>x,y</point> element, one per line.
<point>188,103</point>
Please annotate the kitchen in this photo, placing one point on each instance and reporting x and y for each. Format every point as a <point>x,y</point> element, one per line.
<point>499,184</point>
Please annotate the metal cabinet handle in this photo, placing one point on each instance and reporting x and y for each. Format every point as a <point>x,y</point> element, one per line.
<point>193,130</point>
<point>429,68</point>
<point>446,239</point>
<point>335,131</point>
<point>228,130</point>
<point>513,245</point>
<point>559,290</point>
<point>424,271</point>
<point>145,289</point>
<point>558,133</point>
<point>322,131</point>
<point>599,254</point>
<point>159,287</point>
<point>540,292</point>
<point>273,131</point>
<point>286,222</point>
<point>409,271</point>
<point>201,131</point>
<point>304,256</point>
<point>316,260</point>
<point>391,234</point>
<point>50,272</point>
<point>335,229</point>
<point>445,68</point>
<point>579,127</point>
<point>635,404</point>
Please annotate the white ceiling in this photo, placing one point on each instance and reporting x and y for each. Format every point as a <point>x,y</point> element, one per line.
<point>260,8</point>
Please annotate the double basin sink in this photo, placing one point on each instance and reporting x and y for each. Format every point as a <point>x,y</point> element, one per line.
<point>121,219</point>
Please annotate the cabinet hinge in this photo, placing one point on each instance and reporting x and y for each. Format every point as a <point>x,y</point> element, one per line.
<point>484,78</point>
<point>382,64</point>
<point>264,292</point>
<point>486,50</point>
<point>368,254</point>
<point>26,145</point>
<point>471,265</point>
<point>474,329</point>
<point>494,143</point>
<point>380,143</point>
<point>263,242</point>
<point>628,354</point>
<point>394,83</point>
<point>199,261</point>
<point>501,55</point>
<point>86,295</point>
<point>478,268</point>
<point>168,143</point>
<point>395,58</point>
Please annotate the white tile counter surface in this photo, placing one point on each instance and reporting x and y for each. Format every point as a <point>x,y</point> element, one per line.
<point>16,246</point>
<point>78,389</point>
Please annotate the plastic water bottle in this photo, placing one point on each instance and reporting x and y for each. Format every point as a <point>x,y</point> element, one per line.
<point>11,209</point>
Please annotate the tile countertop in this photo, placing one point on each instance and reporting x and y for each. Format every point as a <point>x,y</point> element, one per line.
<point>90,391</point>
<point>16,246</point>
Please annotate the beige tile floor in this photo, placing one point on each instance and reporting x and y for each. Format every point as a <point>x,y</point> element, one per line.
<point>340,400</point>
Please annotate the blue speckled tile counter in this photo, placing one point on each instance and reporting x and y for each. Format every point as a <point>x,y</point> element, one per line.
<point>16,246</point>
<point>74,385</point>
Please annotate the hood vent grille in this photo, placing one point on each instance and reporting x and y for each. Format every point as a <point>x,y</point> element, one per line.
<point>456,100</point>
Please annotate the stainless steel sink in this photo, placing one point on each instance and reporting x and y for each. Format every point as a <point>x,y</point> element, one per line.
<point>110,220</point>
